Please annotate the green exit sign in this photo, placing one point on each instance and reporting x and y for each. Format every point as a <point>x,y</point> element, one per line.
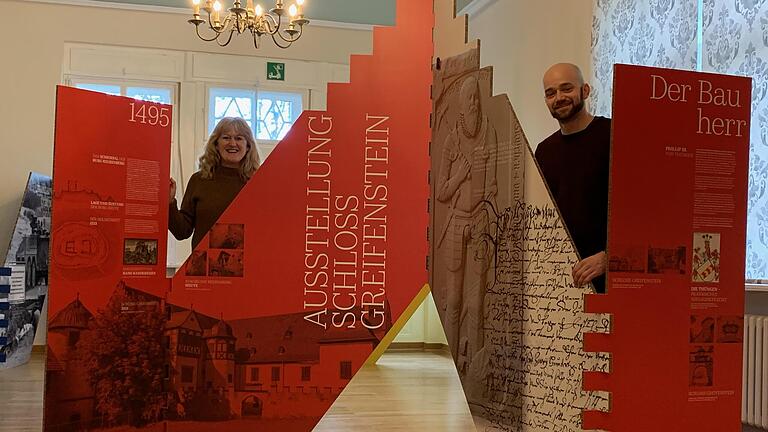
<point>275,71</point>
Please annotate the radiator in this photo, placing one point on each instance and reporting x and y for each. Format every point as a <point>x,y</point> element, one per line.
<point>754,392</point>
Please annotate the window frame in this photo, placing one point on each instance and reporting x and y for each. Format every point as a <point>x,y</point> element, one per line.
<point>209,108</point>
<point>302,93</point>
<point>123,83</point>
<point>264,147</point>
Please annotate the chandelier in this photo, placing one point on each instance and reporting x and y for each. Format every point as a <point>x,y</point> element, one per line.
<point>249,18</point>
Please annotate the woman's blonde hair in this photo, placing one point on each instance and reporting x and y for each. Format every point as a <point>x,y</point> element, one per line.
<point>211,160</point>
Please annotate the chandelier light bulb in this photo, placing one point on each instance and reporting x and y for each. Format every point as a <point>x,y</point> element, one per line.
<point>195,7</point>
<point>292,11</point>
<point>217,6</point>
<point>300,2</point>
<point>259,10</point>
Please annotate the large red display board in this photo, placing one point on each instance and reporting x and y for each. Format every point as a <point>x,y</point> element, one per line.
<point>109,231</point>
<point>289,293</point>
<point>324,248</point>
<point>676,252</point>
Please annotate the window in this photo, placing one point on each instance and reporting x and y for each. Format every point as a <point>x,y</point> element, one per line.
<point>254,374</point>
<point>160,93</point>
<point>187,372</point>
<point>228,102</point>
<point>276,113</point>
<point>269,113</point>
<point>101,88</point>
<point>345,371</point>
<point>275,373</point>
<point>306,373</point>
<point>74,337</point>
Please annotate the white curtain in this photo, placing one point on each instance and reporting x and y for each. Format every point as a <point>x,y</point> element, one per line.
<point>734,40</point>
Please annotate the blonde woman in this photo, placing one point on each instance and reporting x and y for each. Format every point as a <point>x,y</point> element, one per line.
<point>230,159</point>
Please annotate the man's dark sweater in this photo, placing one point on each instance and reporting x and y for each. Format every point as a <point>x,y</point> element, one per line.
<point>575,167</point>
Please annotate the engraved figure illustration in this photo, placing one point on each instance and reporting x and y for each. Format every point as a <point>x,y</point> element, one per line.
<point>467,183</point>
<point>501,259</point>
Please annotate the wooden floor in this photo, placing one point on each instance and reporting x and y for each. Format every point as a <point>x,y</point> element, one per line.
<point>405,391</point>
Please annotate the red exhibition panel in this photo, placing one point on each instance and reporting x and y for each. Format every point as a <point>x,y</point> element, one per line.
<point>109,232</point>
<point>320,253</point>
<point>676,245</point>
<point>288,294</point>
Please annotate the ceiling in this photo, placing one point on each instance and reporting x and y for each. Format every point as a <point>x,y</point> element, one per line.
<point>380,12</point>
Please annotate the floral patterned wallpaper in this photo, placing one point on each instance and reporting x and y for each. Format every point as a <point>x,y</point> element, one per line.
<point>663,33</point>
<point>645,32</point>
<point>736,42</point>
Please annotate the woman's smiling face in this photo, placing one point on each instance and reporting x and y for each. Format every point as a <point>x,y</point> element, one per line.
<point>232,147</point>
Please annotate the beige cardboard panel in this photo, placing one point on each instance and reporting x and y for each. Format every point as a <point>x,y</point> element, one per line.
<point>450,33</point>
<point>501,258</point>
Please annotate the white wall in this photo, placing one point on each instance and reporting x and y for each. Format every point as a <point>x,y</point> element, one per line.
<point>424,326</point>
<point>521,39</point>
<point>34,38</point>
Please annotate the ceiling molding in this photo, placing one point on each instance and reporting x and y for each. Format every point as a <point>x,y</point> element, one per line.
<point>184,11</point>
<point>474,7</point>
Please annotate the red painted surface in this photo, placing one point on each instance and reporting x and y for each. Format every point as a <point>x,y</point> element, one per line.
<point>676,358</point>
<point>237,343</point>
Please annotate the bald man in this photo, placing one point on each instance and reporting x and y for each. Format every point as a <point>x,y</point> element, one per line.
<point>574,161</point>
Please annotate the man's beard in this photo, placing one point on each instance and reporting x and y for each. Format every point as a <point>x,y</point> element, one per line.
<point>575,109</point>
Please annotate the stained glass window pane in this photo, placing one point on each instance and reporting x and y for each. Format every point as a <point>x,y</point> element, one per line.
<point>276,113</point>
<point>230,103</point>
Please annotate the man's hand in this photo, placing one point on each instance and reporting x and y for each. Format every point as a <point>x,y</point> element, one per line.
<point>172,190</point>
<point>465,168</point>
<point>589,268</point>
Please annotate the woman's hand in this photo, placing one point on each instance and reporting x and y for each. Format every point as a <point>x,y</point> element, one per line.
<point>172,190</point>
